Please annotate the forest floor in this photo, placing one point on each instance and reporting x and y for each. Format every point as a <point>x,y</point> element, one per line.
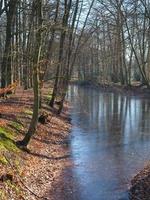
<point>32,175</point>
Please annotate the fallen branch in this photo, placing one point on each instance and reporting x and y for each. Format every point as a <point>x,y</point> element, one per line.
<point>9,89</point>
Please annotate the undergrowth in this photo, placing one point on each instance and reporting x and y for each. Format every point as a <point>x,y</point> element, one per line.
<point>7,143</point>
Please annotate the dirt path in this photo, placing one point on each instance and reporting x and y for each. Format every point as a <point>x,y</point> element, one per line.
<point>49,154</point>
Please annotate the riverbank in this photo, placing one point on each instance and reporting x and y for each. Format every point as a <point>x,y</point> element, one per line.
<point>140,185</point>
<point>31,175</point>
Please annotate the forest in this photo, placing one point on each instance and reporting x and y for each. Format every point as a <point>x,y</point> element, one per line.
<point>68,69</point>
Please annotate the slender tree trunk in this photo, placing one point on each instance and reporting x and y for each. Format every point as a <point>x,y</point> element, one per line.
<point>61,49</point>
<point>6,74</point>
<point>67,68</point>
<point>32,128</point>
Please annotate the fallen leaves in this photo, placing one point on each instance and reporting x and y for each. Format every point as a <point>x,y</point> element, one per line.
<point>40,168</point>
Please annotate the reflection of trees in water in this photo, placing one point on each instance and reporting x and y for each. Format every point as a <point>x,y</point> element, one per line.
<point>111,135</point>
<point>145,122</point>
<point>111,130</point>
<point>120,118</point>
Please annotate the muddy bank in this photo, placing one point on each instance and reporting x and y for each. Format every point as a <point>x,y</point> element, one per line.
<point>33,174</point>
<point>140,185</point>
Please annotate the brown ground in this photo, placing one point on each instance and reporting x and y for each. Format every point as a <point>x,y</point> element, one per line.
<point>35,174</point>
<point>140,185</point>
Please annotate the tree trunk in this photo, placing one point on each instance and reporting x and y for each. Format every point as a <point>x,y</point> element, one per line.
<point>61,49</point>
<point>37,5</point>
<point>6,74</point>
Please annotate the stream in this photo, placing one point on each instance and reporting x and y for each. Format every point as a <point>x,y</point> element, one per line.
<point>110,142</point>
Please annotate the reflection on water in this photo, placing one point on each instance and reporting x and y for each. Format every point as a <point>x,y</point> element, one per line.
<point>110,143</point>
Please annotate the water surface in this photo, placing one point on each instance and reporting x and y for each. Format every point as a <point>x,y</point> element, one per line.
<point>110,142</point>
